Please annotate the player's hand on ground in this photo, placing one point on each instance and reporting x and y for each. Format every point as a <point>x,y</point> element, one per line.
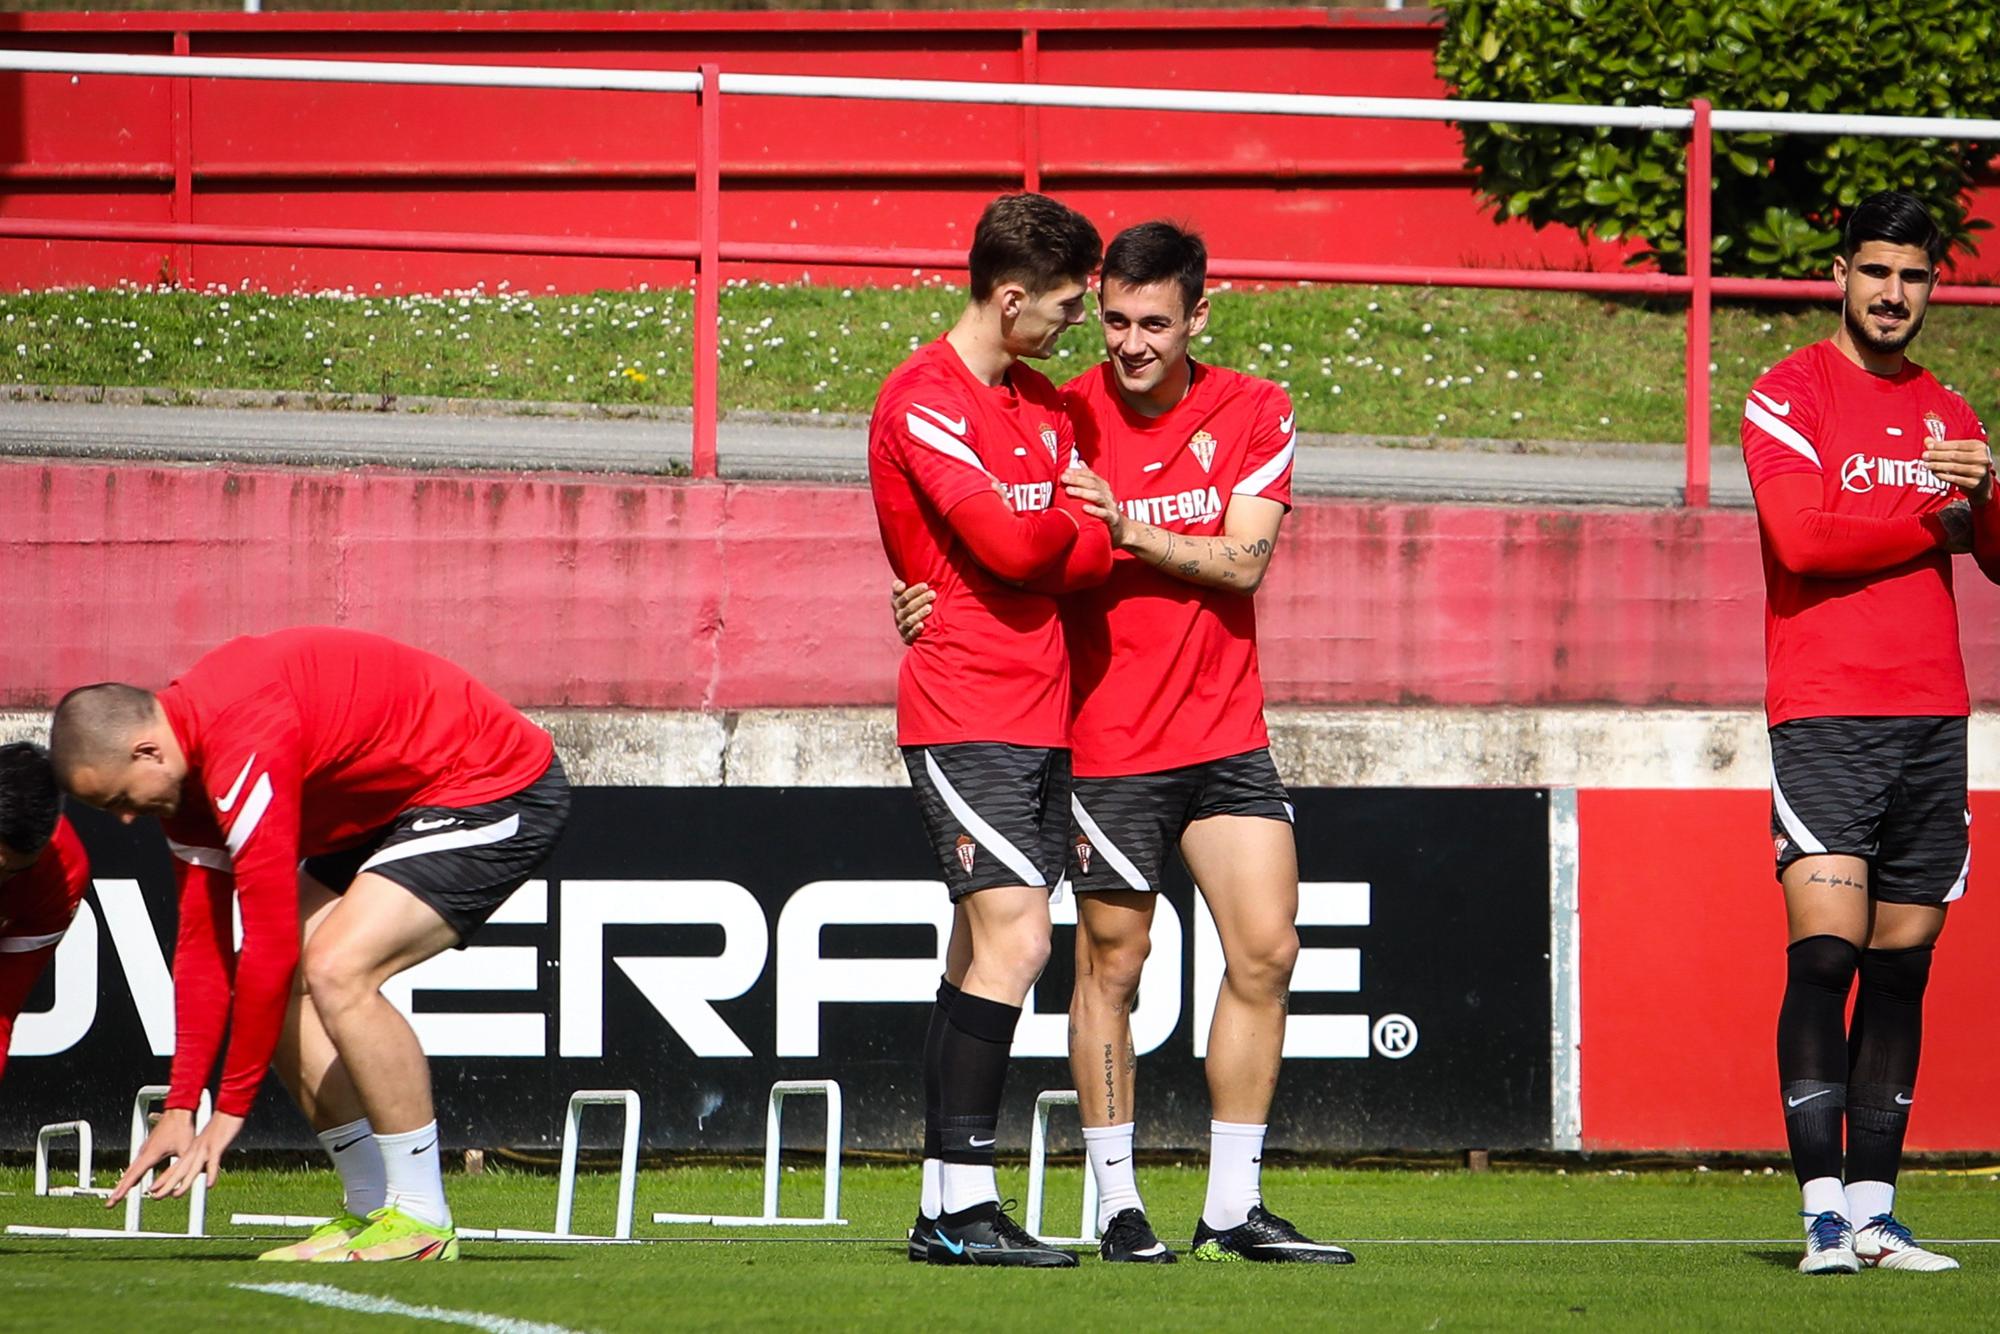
<point>912,605</point>
<point>170,1138</point>
<point>1965,464</point>
<point>1957,520</point>
<point>203,1158</point>
<point>1098,502</point>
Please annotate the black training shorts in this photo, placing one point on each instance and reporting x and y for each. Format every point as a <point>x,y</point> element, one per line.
<point>1888,790</point>
<point>1123,827</point>
<point>463,861</point>
<point>996,814</point>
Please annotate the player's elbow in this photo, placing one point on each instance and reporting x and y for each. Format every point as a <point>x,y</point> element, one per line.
<point>1248,580</point>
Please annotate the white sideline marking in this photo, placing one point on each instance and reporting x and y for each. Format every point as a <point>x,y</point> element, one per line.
<point>325,1294</point>
<point>1627,1241</point>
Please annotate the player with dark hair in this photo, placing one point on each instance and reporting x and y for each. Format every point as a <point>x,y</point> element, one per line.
<point>1189,468</point>
<point>43,874</point>
<point>965,448</point>
<point>418,800</point>
<point>1868,476</point>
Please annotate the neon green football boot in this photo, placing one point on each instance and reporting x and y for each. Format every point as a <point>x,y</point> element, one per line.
<point>395,1235</point>
<point>328,1241</point>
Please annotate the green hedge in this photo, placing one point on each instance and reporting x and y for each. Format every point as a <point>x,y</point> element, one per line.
<point>1777,197</point>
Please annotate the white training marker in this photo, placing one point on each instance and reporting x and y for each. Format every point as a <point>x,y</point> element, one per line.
<point>325,1294</point>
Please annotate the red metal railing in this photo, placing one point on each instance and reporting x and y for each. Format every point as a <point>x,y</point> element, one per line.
<point>710,252</point>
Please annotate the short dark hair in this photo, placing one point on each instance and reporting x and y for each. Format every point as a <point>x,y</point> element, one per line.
<point>29,802</point>
<point>1155,252</point>
<point>1895,217</point>
<point>1034,241</point>
<point>93,724</point>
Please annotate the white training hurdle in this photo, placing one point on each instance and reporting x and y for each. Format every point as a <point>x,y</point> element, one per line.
<point>45,1137</point>
<point>142,1106</point>
<point>628,1182</point>
<point>628,1174</point>
<point>1038,1164</point>
<point>774,1115</point>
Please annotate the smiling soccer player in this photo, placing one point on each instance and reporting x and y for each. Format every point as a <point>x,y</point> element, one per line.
<point>1189,468</point>
<point>1868,476</point>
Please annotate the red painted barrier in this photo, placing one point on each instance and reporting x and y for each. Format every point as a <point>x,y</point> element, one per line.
<point>1683,934</point>
<point>584,165</point>
<point>660,594</point>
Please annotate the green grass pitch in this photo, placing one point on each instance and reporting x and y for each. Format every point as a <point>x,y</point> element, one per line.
<point>857,1276</point>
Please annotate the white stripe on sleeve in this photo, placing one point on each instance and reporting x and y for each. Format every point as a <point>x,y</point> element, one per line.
<point>1771,424</point>
<point>943,441</point>
<point>1256,483</point>
<point>254,807</point>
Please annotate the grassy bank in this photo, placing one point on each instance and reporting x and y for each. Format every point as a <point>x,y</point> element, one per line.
<point>1373,361</point>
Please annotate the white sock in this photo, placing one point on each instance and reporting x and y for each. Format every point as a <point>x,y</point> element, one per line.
<point>415,1181</point>
<point>1235,1166</point>
<point>964,1185</point>
<point>929,1202</point>
<point>1824,1193</point>
<point>1866,1199</point>
<point>358,1159</point>
<point>1110,1150</point>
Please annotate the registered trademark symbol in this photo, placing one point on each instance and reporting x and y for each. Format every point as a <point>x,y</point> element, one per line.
<point>1395,1036</point>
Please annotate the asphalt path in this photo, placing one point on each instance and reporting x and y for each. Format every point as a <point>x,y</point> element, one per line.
<point>758,447</point>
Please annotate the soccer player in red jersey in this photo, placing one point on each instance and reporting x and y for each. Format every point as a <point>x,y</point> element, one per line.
<point>1868,475</point>
<point>418,800</point>
<point>965,449</point>
<point>1189,466</point>
<point>43,873</point>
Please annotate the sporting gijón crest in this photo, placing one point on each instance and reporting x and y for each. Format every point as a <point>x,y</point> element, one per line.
<point>1051,440</point>
<point>1203,446</point>
<point>966,847</point>
<point>1082,855</point>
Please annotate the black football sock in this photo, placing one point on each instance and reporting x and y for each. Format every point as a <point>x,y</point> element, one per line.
<point>972,1069</point>
<point>1883,1048</point>
<point>933,1054</point>
<point>1812,1052</point>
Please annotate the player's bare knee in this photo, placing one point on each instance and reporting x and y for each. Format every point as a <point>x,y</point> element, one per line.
<point>1265,965</point>
<point>1115,967</point>
<point>333,977</point>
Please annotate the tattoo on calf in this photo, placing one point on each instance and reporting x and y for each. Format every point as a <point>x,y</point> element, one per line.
<point>1110,1085</point>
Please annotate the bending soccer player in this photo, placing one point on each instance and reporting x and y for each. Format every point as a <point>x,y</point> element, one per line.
<point>43,874</point>
<point>965,449</point>
<point>1189,466</point>
<point>1868,475</point>
<point>419,801</point>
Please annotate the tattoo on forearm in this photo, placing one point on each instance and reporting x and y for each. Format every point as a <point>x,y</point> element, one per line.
<point>1261,547</point>
<point>1190,567</point>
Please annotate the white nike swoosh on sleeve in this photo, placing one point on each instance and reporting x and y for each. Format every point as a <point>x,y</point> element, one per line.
<point>224,804</point>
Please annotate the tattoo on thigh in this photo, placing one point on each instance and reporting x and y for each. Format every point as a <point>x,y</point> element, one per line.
<point>1836,879</point>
